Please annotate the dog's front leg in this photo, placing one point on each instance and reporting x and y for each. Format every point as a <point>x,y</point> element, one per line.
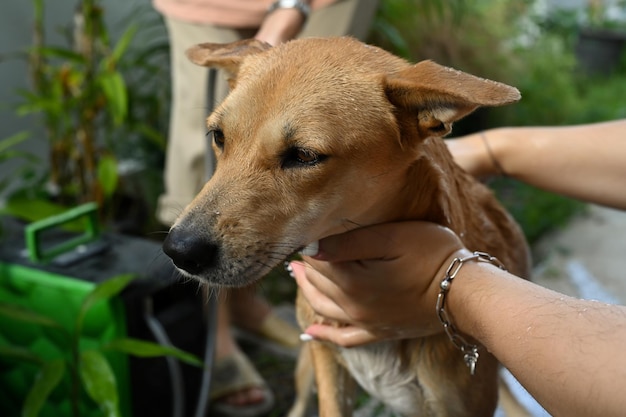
<point>304,379</point>
<point>336,388</point>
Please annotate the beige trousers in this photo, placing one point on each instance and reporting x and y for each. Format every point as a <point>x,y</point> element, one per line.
<point>185,165</point>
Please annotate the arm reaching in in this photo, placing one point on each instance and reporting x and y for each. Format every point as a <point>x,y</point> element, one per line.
<point>566,352</point>
<point>587,162</point>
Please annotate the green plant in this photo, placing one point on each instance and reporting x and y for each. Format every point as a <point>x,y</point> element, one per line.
<point>529,50</point>
<point>9,151</point>
<point>451,33</point>
<point>87,367</point>
<point>399,23</point>
<point>104,109</point>
<point>77,90</point>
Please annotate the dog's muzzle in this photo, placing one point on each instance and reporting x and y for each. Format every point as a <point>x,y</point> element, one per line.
<point>190,252</point>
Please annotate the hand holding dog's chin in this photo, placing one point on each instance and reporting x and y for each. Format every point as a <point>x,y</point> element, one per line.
<point>380,282</point>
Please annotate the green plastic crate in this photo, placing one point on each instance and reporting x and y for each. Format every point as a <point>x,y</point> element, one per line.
<point>36,283</point>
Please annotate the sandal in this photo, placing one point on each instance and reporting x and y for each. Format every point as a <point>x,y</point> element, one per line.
<point>283,335</point>
<point>232,374</point>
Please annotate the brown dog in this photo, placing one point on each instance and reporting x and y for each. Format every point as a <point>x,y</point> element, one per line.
<point>320,136</point>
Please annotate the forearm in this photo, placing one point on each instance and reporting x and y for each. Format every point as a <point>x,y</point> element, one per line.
<point>587,162</point>
<point>566,352</point>
<point>280,26</point>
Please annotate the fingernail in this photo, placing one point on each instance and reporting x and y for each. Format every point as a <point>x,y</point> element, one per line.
<point>295,268</point>
<point>311,249</point>
<point>289,269</point>
<point>304,337</point>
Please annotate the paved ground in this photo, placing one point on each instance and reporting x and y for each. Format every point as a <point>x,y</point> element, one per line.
<point>587,258</point>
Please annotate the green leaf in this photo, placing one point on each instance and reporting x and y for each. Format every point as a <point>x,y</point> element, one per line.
<point>394,36</point>
<point>99,382</point>
<point>13,154</point>
<point>46,380</point>
<point>13,140</point>
<point>103,291</point>
<point>20,353</point>
<point>51,102</point>
<point>25,207</point>
<point>122,44</point>
<point>107,175</point>
<point>26,315</point>
<point>57,52</point>
<point>114,89</point>
<point>153,135</point>
<point>147,349</point>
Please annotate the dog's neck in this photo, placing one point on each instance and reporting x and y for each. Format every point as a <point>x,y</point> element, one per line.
<point>431,192</point>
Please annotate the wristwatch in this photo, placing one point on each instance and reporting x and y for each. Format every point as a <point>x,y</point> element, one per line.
<point>299,5</point>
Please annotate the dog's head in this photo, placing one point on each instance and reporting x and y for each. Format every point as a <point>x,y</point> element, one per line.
<point>315,138</point>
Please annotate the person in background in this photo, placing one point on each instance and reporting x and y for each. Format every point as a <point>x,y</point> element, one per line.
<point>568,353</point>
<point>237,388</point>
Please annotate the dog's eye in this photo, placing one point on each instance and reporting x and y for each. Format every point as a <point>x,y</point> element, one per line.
<point>301,157</point>
<point>218,137</point>
<point>306,156</point>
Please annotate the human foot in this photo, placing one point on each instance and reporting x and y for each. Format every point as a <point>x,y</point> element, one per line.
<point>238,389</point>
<point>253,314</point>
<point>247,309</point>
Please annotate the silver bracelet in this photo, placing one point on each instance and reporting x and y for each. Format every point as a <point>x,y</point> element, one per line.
<point>299,5</point>
<point>470,351</point>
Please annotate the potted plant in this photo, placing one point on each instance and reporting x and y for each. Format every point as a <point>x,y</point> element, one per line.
<point>93,121</point>
<point>87,373</point>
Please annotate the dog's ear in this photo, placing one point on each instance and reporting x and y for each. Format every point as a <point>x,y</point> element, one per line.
<point>227,56</point>
<point>442,95</point>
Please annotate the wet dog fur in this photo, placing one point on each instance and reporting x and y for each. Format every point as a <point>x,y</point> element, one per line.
<point>320,136</point>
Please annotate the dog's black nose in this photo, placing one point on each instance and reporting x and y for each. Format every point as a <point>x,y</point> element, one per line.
<point>190,252</point>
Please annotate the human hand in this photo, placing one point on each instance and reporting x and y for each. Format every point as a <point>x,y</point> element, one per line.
<point>280,26</point>
<point>381,282</point>
<point>472,153</point>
